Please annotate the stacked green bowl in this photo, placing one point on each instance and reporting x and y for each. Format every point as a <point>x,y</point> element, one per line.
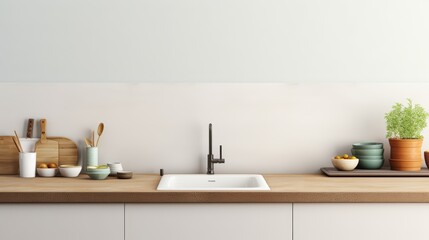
<point>370,155</point>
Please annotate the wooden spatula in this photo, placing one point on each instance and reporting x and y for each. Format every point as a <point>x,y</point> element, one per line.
<point>47,150</point>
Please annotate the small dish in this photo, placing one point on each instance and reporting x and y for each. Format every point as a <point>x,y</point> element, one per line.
<point>47,172</point>
<point>70,170</point>
<point>124,174</point>
<point>345,164</point>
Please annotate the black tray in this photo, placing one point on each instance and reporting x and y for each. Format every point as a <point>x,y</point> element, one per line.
<point>383,172</point>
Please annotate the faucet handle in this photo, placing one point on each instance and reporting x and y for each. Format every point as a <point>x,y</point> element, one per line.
<point>220,160</point>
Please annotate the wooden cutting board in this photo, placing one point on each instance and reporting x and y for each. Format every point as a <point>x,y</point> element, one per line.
<point>9,156</point>
<point>47,150</point>
<point>68,153</point>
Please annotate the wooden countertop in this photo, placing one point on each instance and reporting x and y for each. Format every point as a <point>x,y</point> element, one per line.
<point>306,188</point>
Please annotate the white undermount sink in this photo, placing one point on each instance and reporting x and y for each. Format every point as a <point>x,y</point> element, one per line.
<point>186,182</point>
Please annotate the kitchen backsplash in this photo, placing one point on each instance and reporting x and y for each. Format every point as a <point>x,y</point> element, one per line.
<point>263,127</point>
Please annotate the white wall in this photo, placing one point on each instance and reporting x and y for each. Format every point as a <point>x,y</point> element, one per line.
<point>321,50</point>
<point>268,128</point>
<point>214,40</point>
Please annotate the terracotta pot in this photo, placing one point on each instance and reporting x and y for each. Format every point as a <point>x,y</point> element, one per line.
<point>405,143</point>
<point>406,165</point>
<point>411,155</point>
<point>409,159</point>
<point>405,154</point>
<point>410,169</point>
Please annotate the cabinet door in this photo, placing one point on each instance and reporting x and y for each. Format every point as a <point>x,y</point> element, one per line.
<point>357,221</point>
<point>62,221</point>
<point>208,221</point>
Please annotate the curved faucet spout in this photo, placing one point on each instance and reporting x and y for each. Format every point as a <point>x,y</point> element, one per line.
<point>210,139</point>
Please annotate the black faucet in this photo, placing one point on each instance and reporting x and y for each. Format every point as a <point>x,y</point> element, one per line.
<point>210,158</point>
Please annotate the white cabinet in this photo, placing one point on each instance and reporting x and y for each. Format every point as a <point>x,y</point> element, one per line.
<point>357,221</point>
<point>214,221</point>
<point>62,221</point>
<point>208,221</point>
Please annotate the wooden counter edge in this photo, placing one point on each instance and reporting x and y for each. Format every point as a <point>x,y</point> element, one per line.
<point>211,197</point>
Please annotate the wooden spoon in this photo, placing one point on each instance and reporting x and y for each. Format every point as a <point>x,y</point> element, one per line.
<point>18,142</point>
<point>88,142</point>
<point>99,131</point>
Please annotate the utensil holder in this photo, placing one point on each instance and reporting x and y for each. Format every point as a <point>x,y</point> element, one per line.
<point>27,164</point>
<point>92,156</point>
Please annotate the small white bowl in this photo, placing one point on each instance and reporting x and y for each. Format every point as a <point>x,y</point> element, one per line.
<point>345,164</point>
<point>47,172</point>
<point>70,170</point>
<point>115,167</point>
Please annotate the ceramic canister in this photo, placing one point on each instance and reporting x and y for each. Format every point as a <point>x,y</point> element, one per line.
<point>92,156</point>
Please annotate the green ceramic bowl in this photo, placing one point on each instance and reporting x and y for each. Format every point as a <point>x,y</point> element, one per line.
<point>98,176</point>
<point>370,164</point>
<point>100,167</point>
<point>367,145</point>
<point>370,157</point>
<point>98,170</point>
<point>368,152</point>
<point>98,173</point>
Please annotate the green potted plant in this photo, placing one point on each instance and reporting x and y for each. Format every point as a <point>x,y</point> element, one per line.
<point>404,127</point>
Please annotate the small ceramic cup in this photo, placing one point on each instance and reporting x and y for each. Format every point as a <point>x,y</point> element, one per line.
<point>115,167</point>
<point>27,164</point>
